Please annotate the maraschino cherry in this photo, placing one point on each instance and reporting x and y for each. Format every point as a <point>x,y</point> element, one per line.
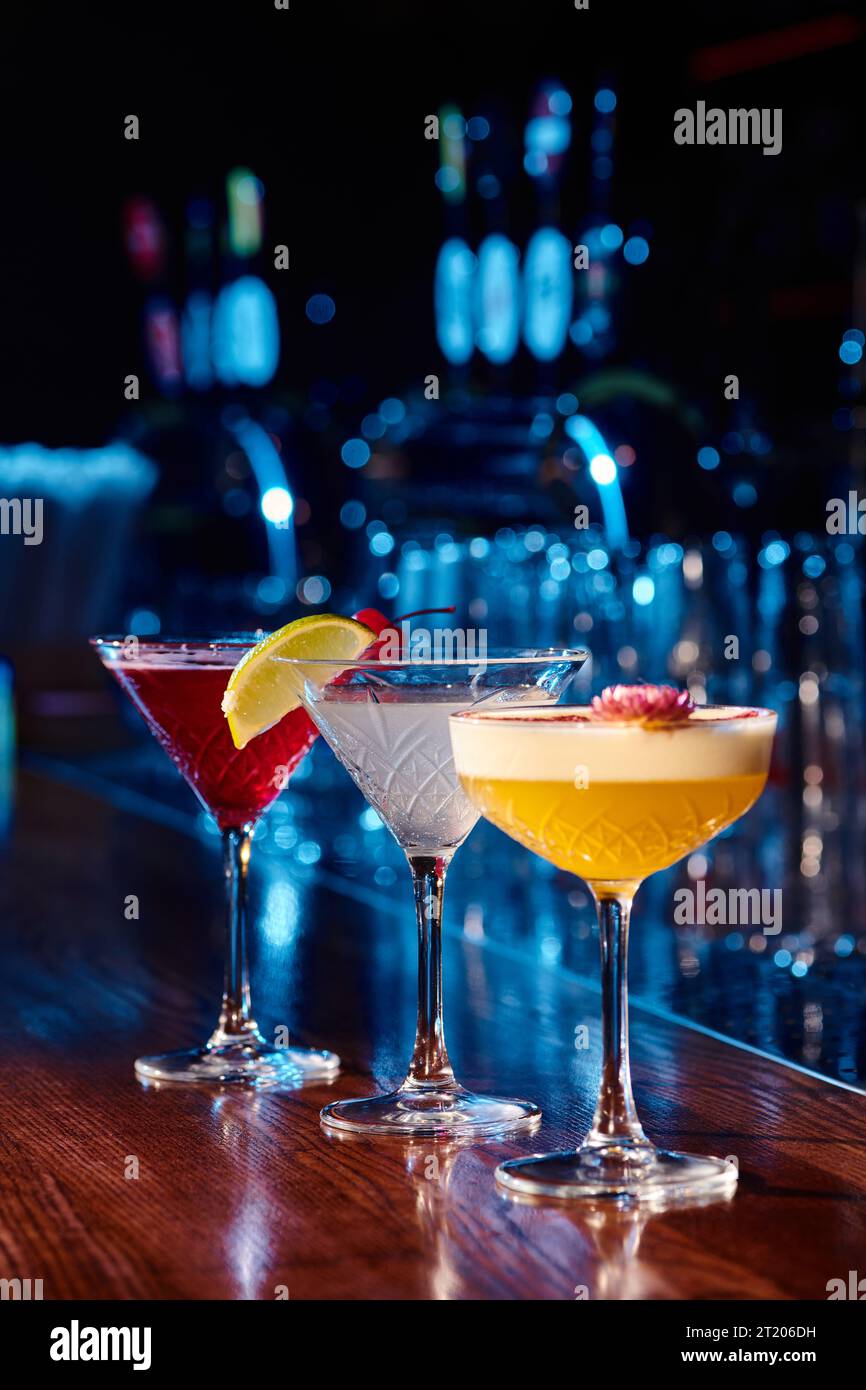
<point>378,623</point>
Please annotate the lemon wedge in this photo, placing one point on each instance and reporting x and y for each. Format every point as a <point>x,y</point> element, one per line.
<point>261,690</point>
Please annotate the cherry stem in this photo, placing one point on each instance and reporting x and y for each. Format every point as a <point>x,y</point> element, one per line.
<point>422,612</point>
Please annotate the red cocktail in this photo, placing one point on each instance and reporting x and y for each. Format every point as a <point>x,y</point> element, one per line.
<point>180,700</point>
<point>177,686</point>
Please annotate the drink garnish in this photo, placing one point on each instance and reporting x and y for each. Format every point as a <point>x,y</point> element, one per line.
<point>261,690</point>
<point>386,629</point>
<point>642,704</point>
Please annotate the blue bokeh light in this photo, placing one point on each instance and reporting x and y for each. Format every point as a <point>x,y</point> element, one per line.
<point>708,457</point>
<point>643,590</point>
<point>636,250</point>
<point>355,453</point>
<point>320,308</point>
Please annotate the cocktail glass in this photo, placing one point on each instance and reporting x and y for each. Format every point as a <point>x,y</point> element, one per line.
<point>613,802</point>
<point>177,686</point>
<point>387,722</point>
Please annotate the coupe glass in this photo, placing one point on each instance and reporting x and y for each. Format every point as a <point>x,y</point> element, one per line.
<point>614,803</point>
<point>177,685</point>
<point>387,722</point>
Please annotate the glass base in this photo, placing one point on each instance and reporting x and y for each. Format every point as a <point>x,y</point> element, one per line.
<point>658,1176</point>
<point>426,1112</point>
<point>246,1062</point>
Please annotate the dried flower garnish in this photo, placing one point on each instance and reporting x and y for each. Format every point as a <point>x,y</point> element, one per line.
<point>643,704</point>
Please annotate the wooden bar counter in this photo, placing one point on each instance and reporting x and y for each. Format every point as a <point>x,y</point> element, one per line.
<point>112,1190</point>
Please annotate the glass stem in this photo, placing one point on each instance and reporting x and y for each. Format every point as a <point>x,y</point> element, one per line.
<point>430,1066</point>
<point>615,1125</point>
<point>236,1020</point>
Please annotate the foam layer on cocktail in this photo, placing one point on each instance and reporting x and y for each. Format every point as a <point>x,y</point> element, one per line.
<point>547,745</point>
<point>612,801</point>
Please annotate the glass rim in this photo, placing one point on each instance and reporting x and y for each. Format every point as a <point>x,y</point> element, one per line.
<point>215,642</point>
<point>518,656</point>
<point>747,715</point>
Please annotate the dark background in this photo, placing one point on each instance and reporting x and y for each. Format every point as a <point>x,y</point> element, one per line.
<point>752,259</point>
<point>757,268</point>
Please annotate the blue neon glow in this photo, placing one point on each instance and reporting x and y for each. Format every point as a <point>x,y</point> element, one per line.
<point>277,505</point>
<point>605,100</point>
<point>195,330</point>
<point>453,301</point>
<point>603,470</point>
<point>497,298</point>
<point>559,102</point>
<point>636,250</point>
<point>320,308</point>
<point>355,453</point>
<point>567,403</point>
<point>271,479</point>
<point>611,237</point>
<point>477,128</point>
<point>850,352</point>
<point>708,457</point>
<point>854,335</point>
<point>547,293</point>
<point>246,333</point>
<point>594,446</point>
<point>643,590</point>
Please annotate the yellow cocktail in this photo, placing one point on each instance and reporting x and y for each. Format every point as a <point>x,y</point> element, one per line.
<point>613,801</point>
<point>615,792</point>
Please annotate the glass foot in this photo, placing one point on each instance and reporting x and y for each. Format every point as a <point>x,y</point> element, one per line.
<point>651,1176</point>
<point>250,1062</point>
<point>427,1112</point>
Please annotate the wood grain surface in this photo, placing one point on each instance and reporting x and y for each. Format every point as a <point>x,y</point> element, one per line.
<point>240,1196</point>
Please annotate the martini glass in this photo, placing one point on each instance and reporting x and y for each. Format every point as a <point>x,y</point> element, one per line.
<point>614,802</point>
<point>387,722</point>
<point>177,685</point>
